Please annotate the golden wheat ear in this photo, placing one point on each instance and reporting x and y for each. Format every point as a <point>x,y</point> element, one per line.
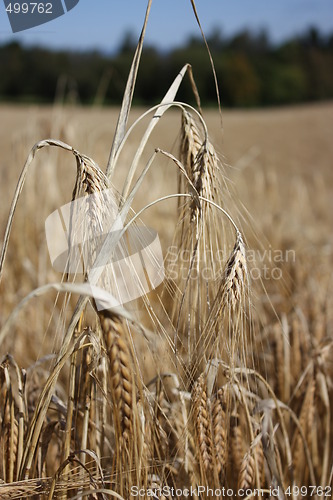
<point>122,378</point>
<point>220,430</point>
<point>202,425</point>
<point>235,275</point>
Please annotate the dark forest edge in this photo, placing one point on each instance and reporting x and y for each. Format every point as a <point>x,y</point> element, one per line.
<point>251,72</point>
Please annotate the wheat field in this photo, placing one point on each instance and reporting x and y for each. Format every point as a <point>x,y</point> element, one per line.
<point>217,383</point>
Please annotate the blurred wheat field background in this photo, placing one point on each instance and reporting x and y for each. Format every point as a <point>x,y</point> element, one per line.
<point>236,393</point>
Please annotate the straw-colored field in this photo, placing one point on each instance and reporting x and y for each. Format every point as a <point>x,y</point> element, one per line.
<point>226,429</point>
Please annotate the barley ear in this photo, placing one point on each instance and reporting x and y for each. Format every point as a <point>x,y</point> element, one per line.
<point>246,477</point>
<point>235,275</point>
<point>121,377</point>
<point>201,415</point>
<point>220,437</point>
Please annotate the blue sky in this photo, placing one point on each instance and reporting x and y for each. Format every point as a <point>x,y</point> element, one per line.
<point>101,24</point>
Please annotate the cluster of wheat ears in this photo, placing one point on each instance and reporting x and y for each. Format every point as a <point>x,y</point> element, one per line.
<point>203,387</point>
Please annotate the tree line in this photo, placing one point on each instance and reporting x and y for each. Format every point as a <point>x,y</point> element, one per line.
<point>251,71</point>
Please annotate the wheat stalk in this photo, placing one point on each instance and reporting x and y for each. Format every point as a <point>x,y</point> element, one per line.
<point>121,376</point>
<point>305,422</point>
<point>220,430</point>
<point>201,417</point>
<point>10,441</point>
<point>235,276</point>
<point>236,444</point>
<point>246,477</point>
